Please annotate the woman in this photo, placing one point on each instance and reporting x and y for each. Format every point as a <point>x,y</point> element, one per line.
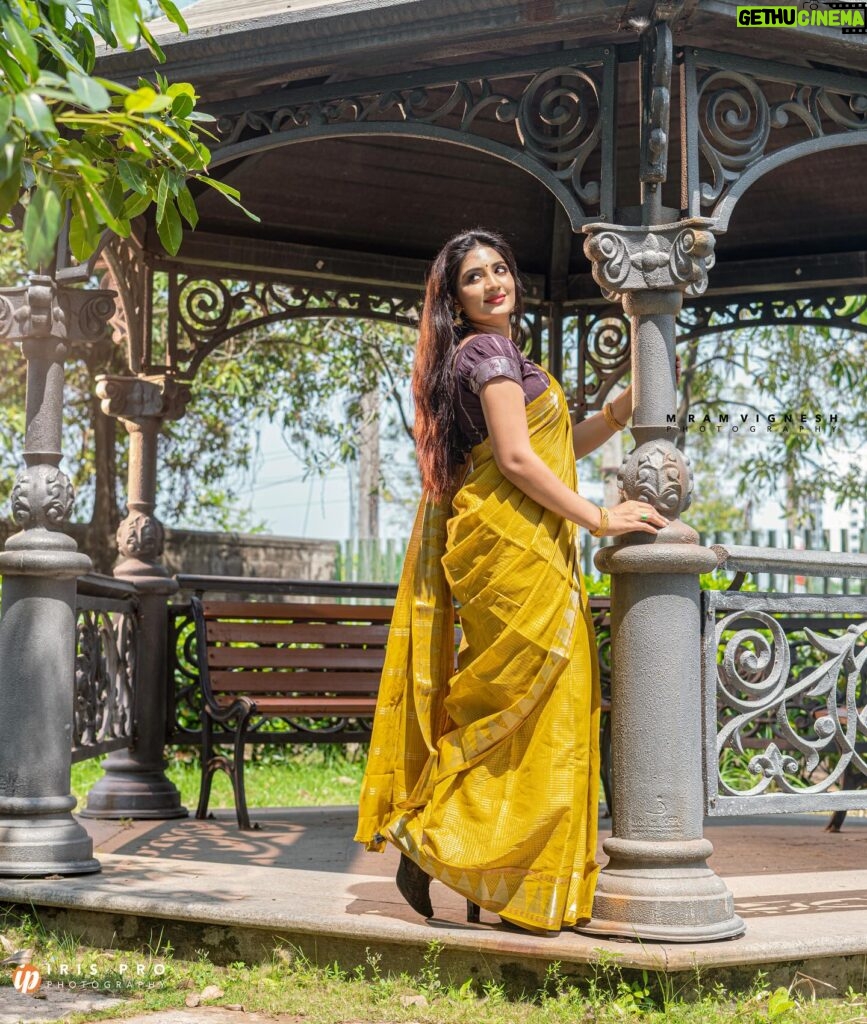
<point>486,778</point>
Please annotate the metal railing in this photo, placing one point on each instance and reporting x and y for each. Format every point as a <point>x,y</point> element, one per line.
<point>785,688</point>
<point>107,626</point>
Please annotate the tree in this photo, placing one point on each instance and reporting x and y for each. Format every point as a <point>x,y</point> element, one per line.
<point>309,377</point>
<point>71,140</point>
<point>767,378</point>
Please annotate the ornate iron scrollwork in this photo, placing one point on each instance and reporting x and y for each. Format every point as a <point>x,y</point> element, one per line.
<point>104,673</point>
<point>745,118</point>
<point>601,334</point>
<point>548,119</point>
<point>790,700</point>
<point>815,310</point>
<point>208,311</point>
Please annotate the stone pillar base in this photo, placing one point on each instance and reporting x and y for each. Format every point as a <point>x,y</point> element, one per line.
<point>126,791</point>
<point>45,844</point>
<point>664,892</point>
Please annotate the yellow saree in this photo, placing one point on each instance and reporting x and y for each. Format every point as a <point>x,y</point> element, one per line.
<point>487,777</point>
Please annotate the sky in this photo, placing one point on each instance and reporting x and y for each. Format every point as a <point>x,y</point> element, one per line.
<point>321,507</point>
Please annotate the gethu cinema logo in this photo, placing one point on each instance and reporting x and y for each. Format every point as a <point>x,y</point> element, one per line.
<point>26,979</point>
<point>848,17</point>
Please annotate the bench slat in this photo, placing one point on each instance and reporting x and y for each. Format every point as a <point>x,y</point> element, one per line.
<point>298,633</point>
<point>295,682</point>
<point>311,706</point>
<point>296,612</point>
<point>346,658</point>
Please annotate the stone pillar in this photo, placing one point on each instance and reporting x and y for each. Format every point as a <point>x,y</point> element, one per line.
<point>38,835</point>
<point>135,784</point>
<point>657,884</point>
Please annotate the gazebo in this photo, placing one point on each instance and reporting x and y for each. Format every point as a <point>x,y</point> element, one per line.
<point>661,171</point>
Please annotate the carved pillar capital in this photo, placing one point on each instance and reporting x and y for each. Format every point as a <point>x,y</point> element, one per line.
<point>649,270</point>
<point>641,260</point>
<point>136,398</point>
<point>143,404</point>
<point>42,310</point>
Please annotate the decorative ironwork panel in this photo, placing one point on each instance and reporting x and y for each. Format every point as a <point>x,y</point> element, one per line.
<point>785,698</point>
<point>103,714</point>
<point>205,312</point>
<point>601,337</point>
<point>841,312</point>
<point>128,274</point>
<point>600,334</point>
<point>746,117</point>
<point>553,120</point>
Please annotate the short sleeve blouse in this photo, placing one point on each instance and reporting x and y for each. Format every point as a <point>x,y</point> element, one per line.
<point>481,359</point>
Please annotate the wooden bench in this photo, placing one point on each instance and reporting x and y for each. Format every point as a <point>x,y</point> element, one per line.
<point>318,663</point>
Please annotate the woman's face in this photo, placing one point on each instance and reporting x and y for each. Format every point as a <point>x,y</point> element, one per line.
<point>485,289</point>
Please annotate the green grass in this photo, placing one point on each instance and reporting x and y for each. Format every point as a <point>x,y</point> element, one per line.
<point>289,983</point>
<point>315,776</point>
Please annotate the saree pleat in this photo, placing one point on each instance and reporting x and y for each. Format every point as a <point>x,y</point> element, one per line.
<point>488,776</point>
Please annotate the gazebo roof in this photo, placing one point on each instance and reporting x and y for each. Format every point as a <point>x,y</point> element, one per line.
<point>379,205</point>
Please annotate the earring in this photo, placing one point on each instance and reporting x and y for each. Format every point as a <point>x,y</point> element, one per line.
<point>458,319</point>
<point>513,318</point>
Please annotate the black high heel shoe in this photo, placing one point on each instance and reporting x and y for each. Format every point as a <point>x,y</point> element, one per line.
<point>474,913</point>
<point>414,885</point>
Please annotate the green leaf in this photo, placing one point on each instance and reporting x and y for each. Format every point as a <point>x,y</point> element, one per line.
<point>34,114</point>
<point>85,49</point>
<point>89,92</point>
<point>5,111</point>
<point>102,207</point>
<point>84,229</point>
<point>154,47</point>
<point>232,194</point>
<point>11,153</point>
<point>139,99</point>
<point>10,191</point>
<point>132,175</point>
<point>146,100</point>
<point>132,140</point>
<point>179,89</point>
<point>183,106</point>
<point>779,1003</point>
<point>23,48</point>
<point>12,70</point>
<point>187,206</point>
<point>173,14</point>
<point>227,190</point>
<point>42,223</point>
<point>124,16</point>
<point>136,204</point>
<point>163,190</point>
<point>51,41</point>
<point>170,229</point>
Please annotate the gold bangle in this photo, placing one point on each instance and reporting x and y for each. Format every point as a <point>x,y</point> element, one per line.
<point>602,529</point>
<point>609,417</point>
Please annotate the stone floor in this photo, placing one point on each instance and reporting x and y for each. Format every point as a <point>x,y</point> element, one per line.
<point>301,881</point>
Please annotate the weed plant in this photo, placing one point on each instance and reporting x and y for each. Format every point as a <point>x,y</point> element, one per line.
<point>369,994</point>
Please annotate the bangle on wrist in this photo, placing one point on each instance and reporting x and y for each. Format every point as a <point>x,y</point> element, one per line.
<point>602,529</point>
<point>609,417</point>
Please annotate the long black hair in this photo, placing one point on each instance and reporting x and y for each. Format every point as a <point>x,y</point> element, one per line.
<point>433,373</point>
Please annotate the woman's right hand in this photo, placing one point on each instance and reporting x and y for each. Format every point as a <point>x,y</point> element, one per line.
<point>634,517</point>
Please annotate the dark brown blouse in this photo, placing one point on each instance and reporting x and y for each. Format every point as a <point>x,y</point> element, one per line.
<point>481,359</point>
